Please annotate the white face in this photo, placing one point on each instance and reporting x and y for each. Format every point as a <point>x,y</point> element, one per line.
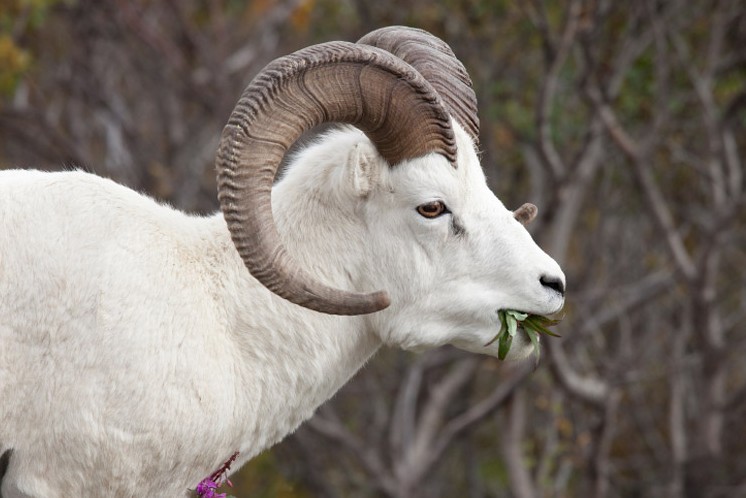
<point>448,275</point>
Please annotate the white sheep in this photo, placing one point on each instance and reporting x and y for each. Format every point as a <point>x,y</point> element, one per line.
<point>137,353</point>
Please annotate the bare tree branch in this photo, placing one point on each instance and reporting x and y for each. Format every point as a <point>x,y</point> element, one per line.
<point>653,195</point>
<point>511,441</point>
<point>589,389</point>
<point>600,461</point>
<point>418,457</point>
<point>478,412</point>
<point>332,428</point>
<point>559,55</point>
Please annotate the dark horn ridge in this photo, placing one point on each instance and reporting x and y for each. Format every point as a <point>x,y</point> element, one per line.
<point>434,59</point>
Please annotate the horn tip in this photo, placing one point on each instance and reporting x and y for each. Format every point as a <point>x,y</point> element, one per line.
<point>381,300</point>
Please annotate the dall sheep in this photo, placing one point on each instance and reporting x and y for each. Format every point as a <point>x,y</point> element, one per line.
<point>137,353</point>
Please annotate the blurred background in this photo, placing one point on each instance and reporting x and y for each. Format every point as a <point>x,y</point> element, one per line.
<point>625,122</point>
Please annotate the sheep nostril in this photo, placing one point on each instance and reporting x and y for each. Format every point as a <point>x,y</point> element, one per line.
<point>554,283</point>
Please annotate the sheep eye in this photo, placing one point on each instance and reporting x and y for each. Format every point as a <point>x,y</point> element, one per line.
<point>432,209</point>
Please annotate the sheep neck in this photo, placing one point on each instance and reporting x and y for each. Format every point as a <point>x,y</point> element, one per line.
<point>303,354</point>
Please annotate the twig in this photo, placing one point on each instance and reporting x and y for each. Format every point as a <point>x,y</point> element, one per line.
<point>549,87</point>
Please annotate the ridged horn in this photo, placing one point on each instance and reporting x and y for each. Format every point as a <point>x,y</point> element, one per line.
<point>434,59</point>
<point>332,82</point>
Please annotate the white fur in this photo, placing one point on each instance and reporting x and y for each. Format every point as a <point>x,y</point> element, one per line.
<point>137,353</point>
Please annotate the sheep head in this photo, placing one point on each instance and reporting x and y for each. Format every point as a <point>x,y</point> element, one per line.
<point>413,101</point>
<point>451,254</point>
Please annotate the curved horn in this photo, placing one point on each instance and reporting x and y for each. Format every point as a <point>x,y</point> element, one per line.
<point>332,82</point>
<point>434,59</point>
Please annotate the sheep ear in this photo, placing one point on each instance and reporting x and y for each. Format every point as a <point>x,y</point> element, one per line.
<point>363,163</point>
<point>526,213</point>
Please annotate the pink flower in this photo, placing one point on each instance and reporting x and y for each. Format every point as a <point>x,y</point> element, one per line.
<point>206,489</point>
<point>208,486</point>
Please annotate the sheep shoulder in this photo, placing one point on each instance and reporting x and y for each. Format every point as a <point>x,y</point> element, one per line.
<point>104,295</point>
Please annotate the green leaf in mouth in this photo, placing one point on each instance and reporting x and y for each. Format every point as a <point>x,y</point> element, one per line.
<point>511,321</point>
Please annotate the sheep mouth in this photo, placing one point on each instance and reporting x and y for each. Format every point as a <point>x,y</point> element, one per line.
<point>512,322</point>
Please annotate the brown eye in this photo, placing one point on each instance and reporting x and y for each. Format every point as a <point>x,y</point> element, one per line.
<point>432,209</point>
